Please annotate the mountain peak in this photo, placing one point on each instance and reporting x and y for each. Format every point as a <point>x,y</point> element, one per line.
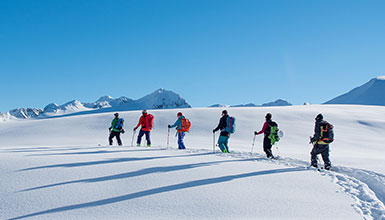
<point>161,90</point>
<point>370,93</point>
<point>104,99</point>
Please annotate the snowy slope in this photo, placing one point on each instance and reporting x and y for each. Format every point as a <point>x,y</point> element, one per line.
<point>55,170</point>
<point>371,93</point>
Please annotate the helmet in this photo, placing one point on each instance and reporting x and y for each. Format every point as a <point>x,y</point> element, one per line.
<point>116,114</point>
<point>179,114</point>
<point>144,112</point>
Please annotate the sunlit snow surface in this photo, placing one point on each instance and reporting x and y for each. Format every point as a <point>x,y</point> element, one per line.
<point>55,169</point>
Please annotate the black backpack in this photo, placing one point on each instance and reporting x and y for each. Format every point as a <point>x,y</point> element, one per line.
<point>327,134</point>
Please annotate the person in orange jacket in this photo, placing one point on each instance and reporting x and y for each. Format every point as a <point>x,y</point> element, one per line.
<point>146,121</point>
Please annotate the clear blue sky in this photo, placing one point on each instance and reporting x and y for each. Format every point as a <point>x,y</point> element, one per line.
<point>208,51</point>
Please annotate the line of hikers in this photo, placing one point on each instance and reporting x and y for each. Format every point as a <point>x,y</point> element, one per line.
<point>323,133</point>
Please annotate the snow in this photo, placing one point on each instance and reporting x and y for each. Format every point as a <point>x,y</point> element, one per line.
<point>54,168</point>
<point>381,78</point>
<point>160,99</point>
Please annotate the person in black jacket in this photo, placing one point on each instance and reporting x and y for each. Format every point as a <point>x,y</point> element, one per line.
<point>224,136</point>
<point>319,146</point>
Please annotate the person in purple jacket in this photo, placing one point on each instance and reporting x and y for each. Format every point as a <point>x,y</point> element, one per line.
<point>266,140</point>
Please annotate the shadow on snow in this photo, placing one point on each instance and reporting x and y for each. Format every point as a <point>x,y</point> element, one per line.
<point>180,186</point>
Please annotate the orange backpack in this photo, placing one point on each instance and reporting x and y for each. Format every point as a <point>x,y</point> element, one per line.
<point>186,124</point>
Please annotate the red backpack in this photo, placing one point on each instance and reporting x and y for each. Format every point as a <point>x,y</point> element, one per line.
<point>186,124</point>
<point>149,121</point>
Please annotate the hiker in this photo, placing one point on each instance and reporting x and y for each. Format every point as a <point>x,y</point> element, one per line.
<point>182,126</point>
<point>116,128</point>
<point>227,126</point>
<point>147,122</point>
<point>266,130</point>
<point>323,135</point>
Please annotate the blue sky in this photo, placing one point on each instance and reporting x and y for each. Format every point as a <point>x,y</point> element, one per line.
<point>208,51</point>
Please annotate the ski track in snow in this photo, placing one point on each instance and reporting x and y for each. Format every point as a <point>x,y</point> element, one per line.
<point>367,188</point>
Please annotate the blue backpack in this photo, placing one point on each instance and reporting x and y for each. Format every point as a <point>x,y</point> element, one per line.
<point>119,124</point>
<point>230,125</point>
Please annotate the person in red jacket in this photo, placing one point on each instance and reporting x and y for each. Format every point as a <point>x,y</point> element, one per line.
<point>146,121</point>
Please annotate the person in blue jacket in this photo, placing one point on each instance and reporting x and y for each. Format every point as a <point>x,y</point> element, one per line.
<point>181,134</point>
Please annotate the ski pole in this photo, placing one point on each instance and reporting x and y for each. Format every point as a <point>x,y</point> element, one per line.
<point>214,142</point>
<point>276,147</point>
<point>252,146</point>
<point>133,136</point>
<point>168,137</point>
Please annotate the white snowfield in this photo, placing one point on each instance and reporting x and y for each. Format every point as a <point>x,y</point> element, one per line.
<point>55,169</point>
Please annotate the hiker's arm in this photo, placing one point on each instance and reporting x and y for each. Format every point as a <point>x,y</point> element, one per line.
<point>263,128</point>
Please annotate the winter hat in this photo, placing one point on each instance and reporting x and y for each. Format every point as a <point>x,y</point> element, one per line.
<point>224,112</point>
<point>319,117</point>
<point>144,112</point>
<point>179,114</point>
<point>268,116</point>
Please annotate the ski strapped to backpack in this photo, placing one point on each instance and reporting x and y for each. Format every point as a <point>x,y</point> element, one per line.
<point>327,134</point>
<point>230,124</point>
<point>186,124</point>
<point>273,136</point>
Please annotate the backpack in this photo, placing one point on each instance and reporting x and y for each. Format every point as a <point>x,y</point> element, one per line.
<point>230,125</point>
<point>273,136</point>
<point>119,124</point>
<point>327,134</point>
<point>149,121</point>
<point>186,124</point>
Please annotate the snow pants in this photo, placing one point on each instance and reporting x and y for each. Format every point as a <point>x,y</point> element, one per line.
<point>180,140</point>
<point>117,135</point>
<point>324,151</point>
<point>223,144</point>
<point>141,133</point>
<point>267,146</point>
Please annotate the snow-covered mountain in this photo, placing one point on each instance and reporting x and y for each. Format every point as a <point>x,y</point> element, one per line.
<point>246,105</point>
<point>278,102</point>
<point>219,106</point>
<point>160,99</point>
<point>371,93</point>
<point>25,112</point>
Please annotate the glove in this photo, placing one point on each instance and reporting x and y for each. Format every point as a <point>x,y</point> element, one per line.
<point>109,128</point>
<point>255,133</point>
<point>214,131</point>
<point>122,131</point>
<point>169,126</point>
<point>134,129</point>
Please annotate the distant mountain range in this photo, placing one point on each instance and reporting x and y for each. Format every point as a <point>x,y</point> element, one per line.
<point>370,93</point>
<point>278,102</point>
<point>160,99</point>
